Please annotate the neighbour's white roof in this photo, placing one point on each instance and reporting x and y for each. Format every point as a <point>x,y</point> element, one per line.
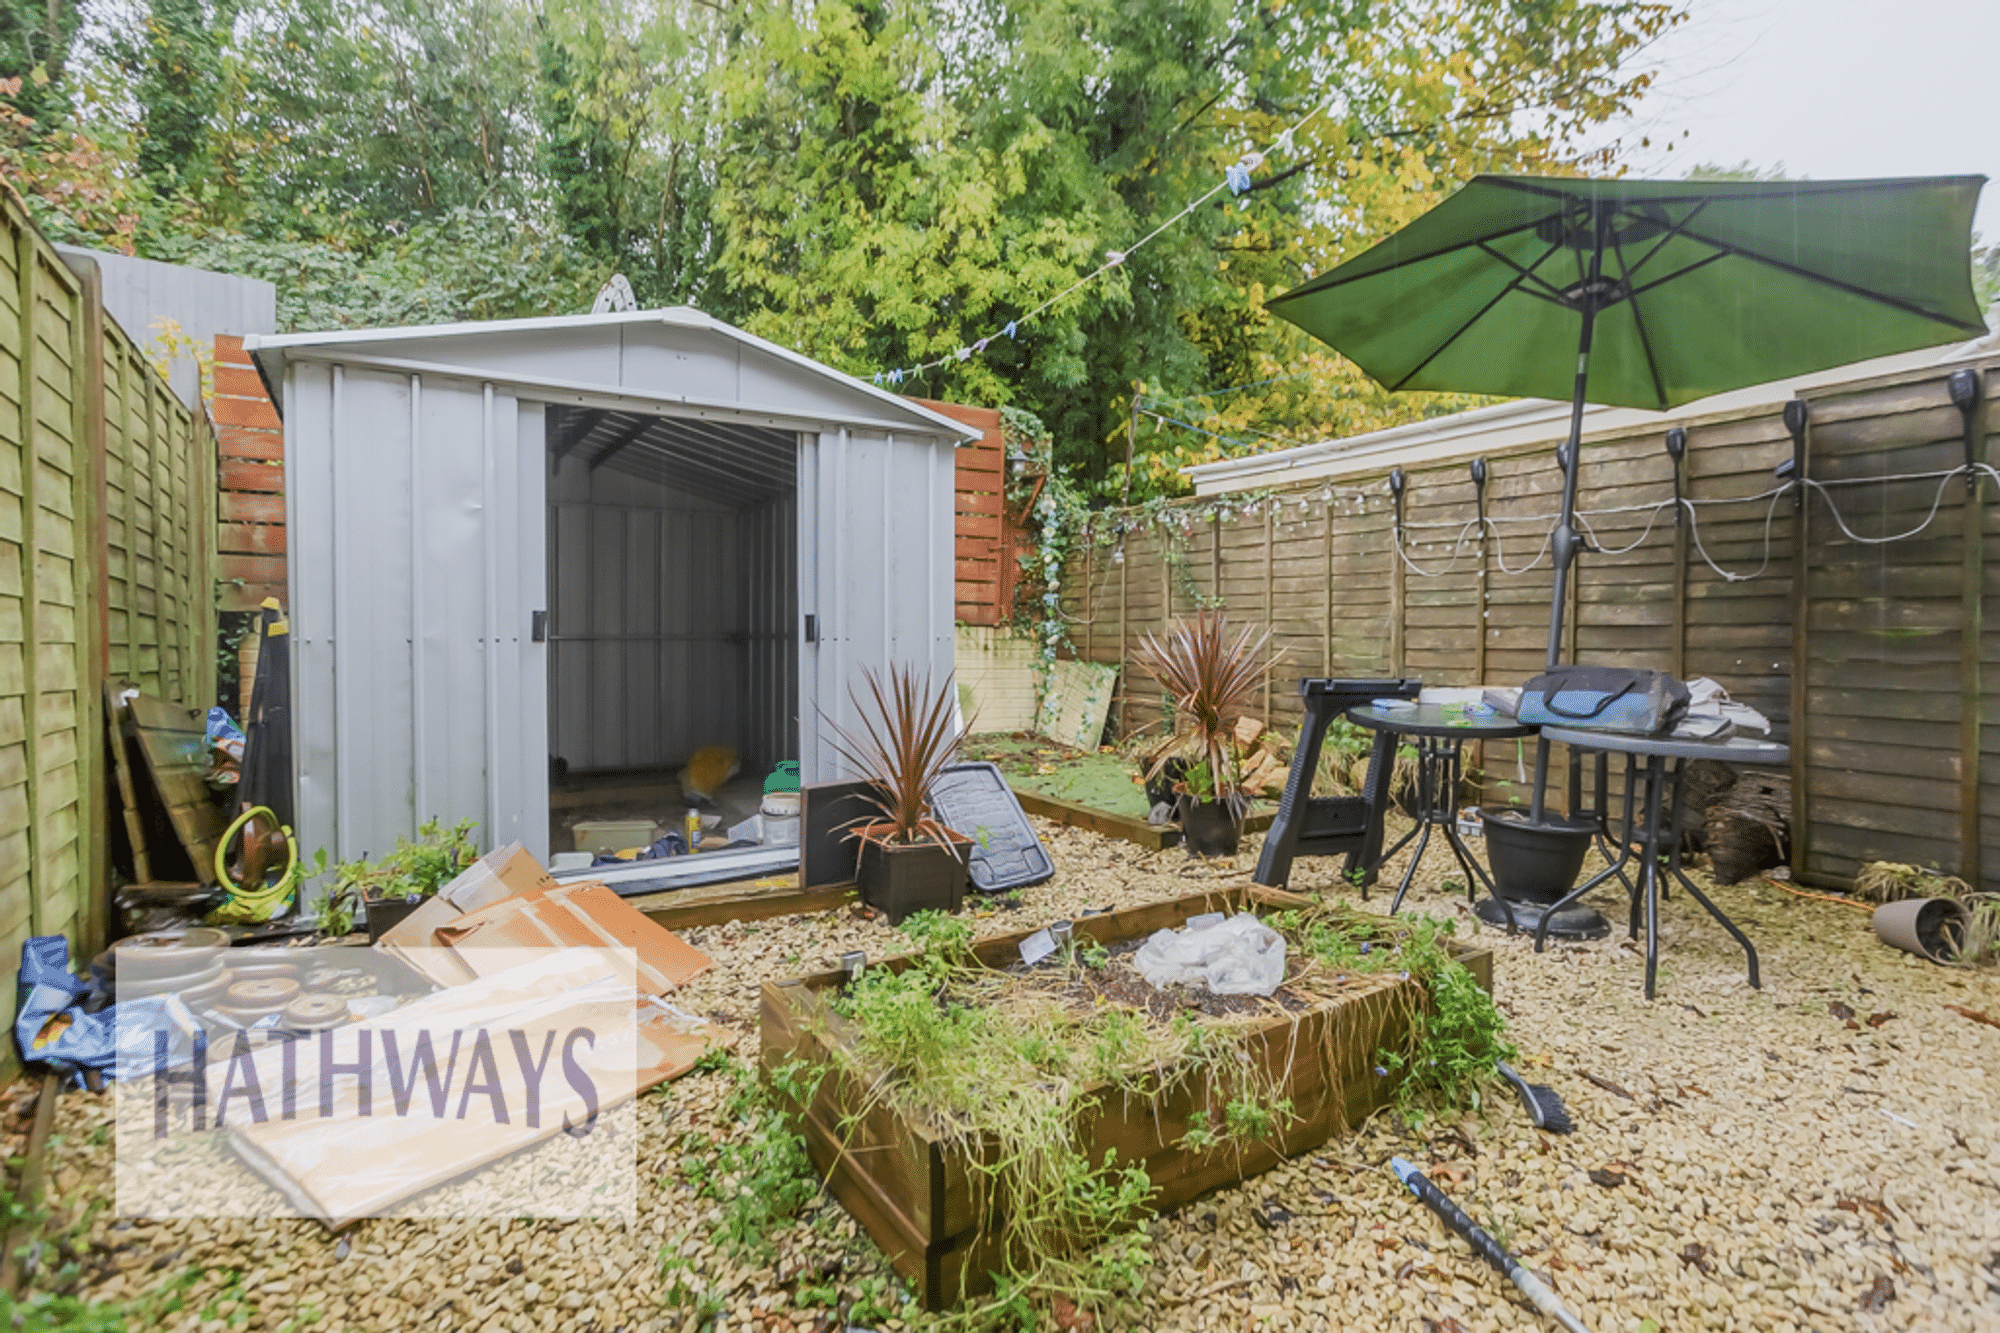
<point>675,356</point>
<point>1532,421</point>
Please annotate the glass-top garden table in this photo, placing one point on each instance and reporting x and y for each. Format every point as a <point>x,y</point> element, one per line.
<point>1655,764</point>
<point>1437,731</point>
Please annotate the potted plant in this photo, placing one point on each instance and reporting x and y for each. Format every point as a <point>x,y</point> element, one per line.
<point>1210,676</point>
<point>390,889</point>
<point>907,736</point>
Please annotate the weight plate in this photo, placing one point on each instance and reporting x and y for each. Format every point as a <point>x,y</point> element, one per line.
<point>139,987</point>
<point>263,993</point>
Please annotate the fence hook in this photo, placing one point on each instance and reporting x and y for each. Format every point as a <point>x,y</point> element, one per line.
<point>1964,387</point>
<point>1677,447</point>
<point>1796,416</point>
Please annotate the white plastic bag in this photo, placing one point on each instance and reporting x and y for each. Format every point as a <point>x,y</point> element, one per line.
<point>1238,956</point>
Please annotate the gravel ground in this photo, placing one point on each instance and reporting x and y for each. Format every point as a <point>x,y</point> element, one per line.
<point>1821,1154</point>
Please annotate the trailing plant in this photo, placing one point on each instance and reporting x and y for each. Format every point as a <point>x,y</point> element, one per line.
<point>759,1173</point>
<point>975,1054</point>
<point>1454,1033</point>
<point>1211,677</point>
<point>907,737</point>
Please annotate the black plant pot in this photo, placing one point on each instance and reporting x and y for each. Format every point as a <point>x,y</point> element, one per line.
<point>385,914</point>
<point>1210,828</point>
<point>898,879</point>
<point>1534,863</point>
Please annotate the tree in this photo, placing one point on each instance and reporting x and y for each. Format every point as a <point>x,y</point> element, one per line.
<point>35,41</point>
<point>883,184</point>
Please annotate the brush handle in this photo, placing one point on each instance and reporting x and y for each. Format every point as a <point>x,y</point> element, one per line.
<point>1454,1217</point>
<point>1485,1246</point>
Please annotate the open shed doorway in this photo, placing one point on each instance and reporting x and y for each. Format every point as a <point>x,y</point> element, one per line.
<point>673,613</point>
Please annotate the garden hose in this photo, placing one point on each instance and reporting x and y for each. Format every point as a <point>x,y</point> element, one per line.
<point>255,903</point>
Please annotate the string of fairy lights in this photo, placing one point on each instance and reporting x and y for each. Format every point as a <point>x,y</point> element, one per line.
<point>1237,178</point>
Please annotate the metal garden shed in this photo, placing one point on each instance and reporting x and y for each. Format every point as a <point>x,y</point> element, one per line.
<point>593,544</point>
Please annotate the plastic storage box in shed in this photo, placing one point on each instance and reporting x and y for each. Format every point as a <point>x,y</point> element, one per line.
<point>598,543</point>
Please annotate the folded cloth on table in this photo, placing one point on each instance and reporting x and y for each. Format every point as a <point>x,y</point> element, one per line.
<point>1713,716</point>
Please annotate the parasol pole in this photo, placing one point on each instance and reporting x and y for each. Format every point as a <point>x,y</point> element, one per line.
<point>1564,545</point>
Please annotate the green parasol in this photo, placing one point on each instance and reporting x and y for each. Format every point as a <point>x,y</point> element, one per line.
<point>1648,293</point>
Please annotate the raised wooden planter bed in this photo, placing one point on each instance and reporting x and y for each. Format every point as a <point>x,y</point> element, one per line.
<point>1155,837</point>
<point>920,1198</point>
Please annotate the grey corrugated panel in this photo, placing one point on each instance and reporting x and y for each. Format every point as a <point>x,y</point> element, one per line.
<point>883,580</point>
<point>140,292</point>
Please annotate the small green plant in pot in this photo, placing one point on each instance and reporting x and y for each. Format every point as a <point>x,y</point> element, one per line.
<point>906,737</point>
<point>1210,673</point>
<point>388,890</point>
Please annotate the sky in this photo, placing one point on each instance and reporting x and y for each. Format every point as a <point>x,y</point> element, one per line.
<point>1828,89</point>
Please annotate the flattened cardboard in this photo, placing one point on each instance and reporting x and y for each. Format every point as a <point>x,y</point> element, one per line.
<point>585,913</point>
<point>358,1165</point>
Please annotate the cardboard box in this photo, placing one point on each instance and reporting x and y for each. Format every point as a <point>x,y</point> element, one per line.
<point>601,837</point>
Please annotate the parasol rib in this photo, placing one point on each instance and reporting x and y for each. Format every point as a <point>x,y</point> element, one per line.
<point>1478,315</point>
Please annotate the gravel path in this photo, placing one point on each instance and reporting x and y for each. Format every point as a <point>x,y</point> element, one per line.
<point>1751,1160</point>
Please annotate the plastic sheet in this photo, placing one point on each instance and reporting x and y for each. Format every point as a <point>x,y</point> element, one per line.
<point>1236,956</point>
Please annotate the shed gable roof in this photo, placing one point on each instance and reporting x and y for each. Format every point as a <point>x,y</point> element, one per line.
<point>669,356</point>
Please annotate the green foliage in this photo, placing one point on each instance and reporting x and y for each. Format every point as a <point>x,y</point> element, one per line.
<point>1455,1038</point>
<point>416,869</point>
<point>413,869</point>
<point>758,1171</point>
<point>39,1312</point>
<point>873,184</point>
<point>978,1054</point>
<point>1456,1034</point>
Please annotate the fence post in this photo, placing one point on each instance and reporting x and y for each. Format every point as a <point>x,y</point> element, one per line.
<point>1677,450</point>
<point>1270,610</point>
<point>1088,604</point>
<point>1396,612</point>
<point>1797,423</point>
<point>1965,395</point>
<point>1124,560</point>
<point>1326,600</point>
<point>89,575</point>
<point>31,683</point>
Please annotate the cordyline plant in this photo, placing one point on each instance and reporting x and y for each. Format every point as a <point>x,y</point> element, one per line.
<point>1210,676</point>
<point>907,737</point>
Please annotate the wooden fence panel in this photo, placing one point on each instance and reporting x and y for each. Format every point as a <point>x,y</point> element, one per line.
<point>106,567</point>
<point>1875,660</point>
<point>1887,771</point>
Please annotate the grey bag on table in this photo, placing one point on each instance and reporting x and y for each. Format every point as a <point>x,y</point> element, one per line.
<point>1630,700</point>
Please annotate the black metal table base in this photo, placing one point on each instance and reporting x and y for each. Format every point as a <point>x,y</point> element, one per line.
<point>1438,773</point>
<point>1578,921</point>
<point>1660,777</point>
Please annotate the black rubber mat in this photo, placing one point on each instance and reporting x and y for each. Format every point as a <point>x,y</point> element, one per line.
<point>974,799</point>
